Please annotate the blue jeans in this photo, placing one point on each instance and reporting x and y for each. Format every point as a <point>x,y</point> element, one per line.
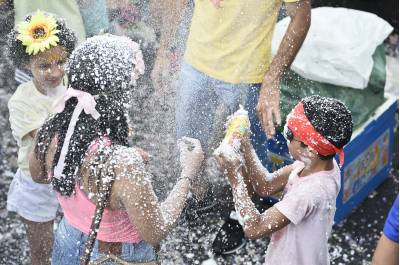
<point>204,103</point>
<point>69,244</point>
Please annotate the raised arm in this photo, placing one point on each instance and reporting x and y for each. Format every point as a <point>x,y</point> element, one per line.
<point>154,219</point>
<point>263,182</point>
<point>169,14</point>
<point>268,102</point>
<point>300,21</point>
<point>255,225</point>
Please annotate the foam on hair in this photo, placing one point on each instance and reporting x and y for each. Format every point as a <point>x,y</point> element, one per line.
<point>330,117</point>
<point>101,66</point>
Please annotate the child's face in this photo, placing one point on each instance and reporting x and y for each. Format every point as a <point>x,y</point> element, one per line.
<point>297,149</point>
<point>48,67</point>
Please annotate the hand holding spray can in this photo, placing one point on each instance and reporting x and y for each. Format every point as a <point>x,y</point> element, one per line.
<point>238,125</point>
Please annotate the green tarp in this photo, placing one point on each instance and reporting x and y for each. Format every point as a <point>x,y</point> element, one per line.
<point>361,102</point>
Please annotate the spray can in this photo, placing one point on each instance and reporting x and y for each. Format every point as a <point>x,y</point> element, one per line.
<point>237,126</point>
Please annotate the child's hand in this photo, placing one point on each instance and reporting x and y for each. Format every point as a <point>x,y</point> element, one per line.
<point>246,147</point>
<point>51,151</point>
<point>231,166</point>
<point>191,156</point>
<point>245,142</point>
<point>145,156</point>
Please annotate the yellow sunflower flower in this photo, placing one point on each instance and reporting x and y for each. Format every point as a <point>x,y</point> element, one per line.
<point>39,33</point>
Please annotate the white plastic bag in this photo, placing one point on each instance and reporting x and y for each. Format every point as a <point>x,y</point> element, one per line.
<point>339,46</point>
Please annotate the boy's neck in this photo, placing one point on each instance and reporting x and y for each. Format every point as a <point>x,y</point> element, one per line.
<point>315,166</point>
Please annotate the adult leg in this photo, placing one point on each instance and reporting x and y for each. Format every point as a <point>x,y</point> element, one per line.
<point>195,111</point>
<point>230,237</point>
<point>40,237</point>
<point>230,96</point>
<point>214,100</point>
<point>258,137</point>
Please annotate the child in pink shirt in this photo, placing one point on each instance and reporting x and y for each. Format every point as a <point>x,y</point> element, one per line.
<point>316,130</point>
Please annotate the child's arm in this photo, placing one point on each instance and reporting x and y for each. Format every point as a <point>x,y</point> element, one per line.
<point>264,183</point>
<point>255,225</point>
<point>24,119</point>
<point>39,173</point>
<point>33,133</point>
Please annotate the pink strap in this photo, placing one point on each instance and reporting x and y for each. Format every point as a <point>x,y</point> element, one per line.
<point>87,103</point>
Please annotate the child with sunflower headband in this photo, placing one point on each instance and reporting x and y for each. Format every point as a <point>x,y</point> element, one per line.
<point>41,43</point>
<point>300,223</point>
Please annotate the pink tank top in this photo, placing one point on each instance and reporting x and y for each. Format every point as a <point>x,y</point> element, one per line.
<point>115,225</point>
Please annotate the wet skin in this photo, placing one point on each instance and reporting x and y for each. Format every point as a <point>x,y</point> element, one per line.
<point>48,68</point>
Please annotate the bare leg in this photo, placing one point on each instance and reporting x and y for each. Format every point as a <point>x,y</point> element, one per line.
<point>40,238</point>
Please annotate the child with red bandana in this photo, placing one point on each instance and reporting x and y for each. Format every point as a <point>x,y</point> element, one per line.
<point>316,130</point>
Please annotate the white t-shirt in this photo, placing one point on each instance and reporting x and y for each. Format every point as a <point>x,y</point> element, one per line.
<point>310,204</point>
<point>29,109</point>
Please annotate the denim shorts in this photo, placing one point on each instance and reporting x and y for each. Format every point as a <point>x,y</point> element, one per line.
<point>69,244</point>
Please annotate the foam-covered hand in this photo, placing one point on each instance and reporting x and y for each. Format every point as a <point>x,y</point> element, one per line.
<point>191,156</point>
<point>245,142</point>
<point>231,167</point>
<point>145,156</point>
<point>231,164</point>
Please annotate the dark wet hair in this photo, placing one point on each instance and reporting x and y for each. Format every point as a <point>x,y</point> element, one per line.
<point>88,69</point>
<point>100,66</point>
<point>16,50</point>
<point>331,118</point>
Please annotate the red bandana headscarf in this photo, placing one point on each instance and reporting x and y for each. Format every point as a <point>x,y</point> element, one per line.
<point>303,130</point>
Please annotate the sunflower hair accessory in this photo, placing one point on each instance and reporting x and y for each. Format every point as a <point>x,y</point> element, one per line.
<point>39,33</point>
